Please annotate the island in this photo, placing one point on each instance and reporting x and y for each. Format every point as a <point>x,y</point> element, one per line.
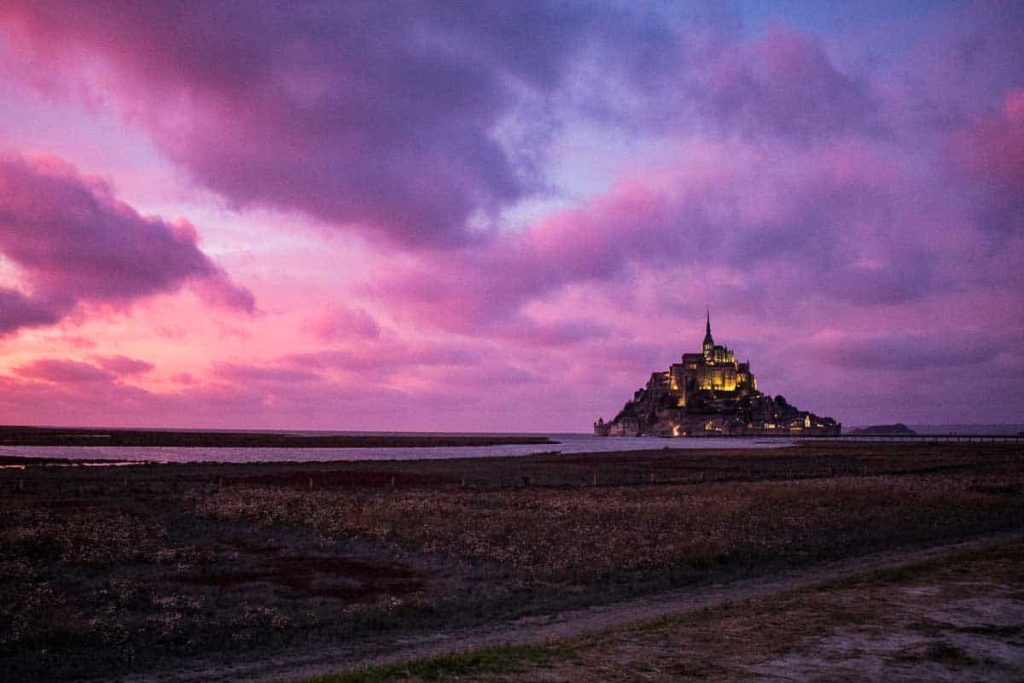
<point>710,394</point>
<point>898,429</point>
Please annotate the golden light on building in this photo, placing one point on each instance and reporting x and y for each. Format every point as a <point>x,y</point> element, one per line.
<point>705,384</point>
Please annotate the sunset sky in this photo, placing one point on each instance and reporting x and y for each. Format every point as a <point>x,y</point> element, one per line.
<point>502,216</point>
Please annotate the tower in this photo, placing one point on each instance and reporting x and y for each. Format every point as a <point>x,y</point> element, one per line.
<point>709,343</point>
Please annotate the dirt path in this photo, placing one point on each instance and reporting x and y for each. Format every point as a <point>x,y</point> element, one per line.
<point>571,623</point>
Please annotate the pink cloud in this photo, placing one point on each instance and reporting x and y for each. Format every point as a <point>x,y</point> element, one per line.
<point>990,154</point>
<point>342,323</point>
<point>831,210</point>
<point>63,372</point>
<point>123,365</point>
<point>246,375</point>
<point>74,242</point>
<point>381,360</point>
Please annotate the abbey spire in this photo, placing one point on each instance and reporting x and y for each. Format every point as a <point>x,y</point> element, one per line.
<point>709,343</point>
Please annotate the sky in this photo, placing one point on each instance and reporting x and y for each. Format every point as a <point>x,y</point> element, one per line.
<point>493,216</point>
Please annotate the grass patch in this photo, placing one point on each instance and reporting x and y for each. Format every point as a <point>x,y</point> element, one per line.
<point>488,660</point>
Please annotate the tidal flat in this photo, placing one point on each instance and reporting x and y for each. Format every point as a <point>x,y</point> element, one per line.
<point>179,569</point>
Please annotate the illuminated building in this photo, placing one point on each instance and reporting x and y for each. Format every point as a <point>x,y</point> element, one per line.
<point>709,392</point>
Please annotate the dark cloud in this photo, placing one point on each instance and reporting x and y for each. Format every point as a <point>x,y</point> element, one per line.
<point>72,242</point>
<point>18,310</point>
<point>378,115</point>
<point>384,117</point>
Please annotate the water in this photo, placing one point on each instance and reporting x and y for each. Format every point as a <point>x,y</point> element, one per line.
<point>567,443</point>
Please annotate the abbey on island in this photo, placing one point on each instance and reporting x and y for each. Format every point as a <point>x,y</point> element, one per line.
<point>710,393</point>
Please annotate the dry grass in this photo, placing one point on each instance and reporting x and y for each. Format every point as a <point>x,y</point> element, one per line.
<point>99,585</point>
<point>588,533</point>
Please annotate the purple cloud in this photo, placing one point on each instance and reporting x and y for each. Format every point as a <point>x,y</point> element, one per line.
<point>18,310</point>
<point>245,374</point>
<point>341,323</point>
<point>830,223</point>
<point>781,84</point>
<point>73,242</point>
<point>377,116</point>
<point>989,154</point>
<point>123,365</point>
<point>63,372</point>
<point>911,352</point>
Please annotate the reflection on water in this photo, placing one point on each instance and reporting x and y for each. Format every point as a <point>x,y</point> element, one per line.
<point>567,443</point>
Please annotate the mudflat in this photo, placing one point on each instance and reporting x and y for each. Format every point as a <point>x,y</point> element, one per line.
<point>177,571</point>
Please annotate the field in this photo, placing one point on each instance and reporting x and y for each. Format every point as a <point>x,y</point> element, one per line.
<point>114,571</point>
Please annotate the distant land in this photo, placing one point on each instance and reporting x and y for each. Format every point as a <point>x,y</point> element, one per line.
<point>898,429</point>
<point>61,436</point>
